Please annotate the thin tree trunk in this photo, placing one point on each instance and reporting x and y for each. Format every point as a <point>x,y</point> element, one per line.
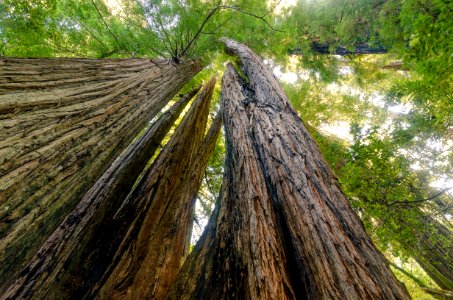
<point>414,278</point>
<point>339,50</point>
<point>282,228</point>
<point>436,293</point>
<point>439,294</point>
<point>433,251</point>
<point>158,213</point>
<point>85,225</point>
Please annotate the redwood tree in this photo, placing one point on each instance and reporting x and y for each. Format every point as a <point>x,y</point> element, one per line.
<point>282,228</point>
<point>64,121</point>
<point>78,250</point>
<point>159,211</point>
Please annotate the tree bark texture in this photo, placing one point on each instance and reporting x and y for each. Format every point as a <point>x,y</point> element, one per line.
<point>63,122</point>
<point>282,228</point>
<point>430,243</point>
<point>85,230</point>
<point>159,212</point>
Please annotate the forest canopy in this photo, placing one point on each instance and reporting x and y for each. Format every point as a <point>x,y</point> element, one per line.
<point>372,80</point>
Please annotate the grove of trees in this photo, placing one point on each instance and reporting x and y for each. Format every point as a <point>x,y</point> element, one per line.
<point>331,179</point>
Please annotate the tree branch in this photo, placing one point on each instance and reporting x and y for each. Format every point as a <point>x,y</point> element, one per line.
<point>108,28</point>
<point>408,274</point>
<point>135,24</point>
<point>212,12</point>
<point>420,200</point>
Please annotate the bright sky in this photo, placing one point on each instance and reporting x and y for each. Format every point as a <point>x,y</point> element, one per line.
<point>341,129</point>
<point>114,6</point>
<point>282,4</point>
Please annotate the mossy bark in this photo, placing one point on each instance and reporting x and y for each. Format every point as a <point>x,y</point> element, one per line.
<point>63,122</point>
<point>77,251</point>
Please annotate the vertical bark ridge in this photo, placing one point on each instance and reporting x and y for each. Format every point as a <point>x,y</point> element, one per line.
<point>282,228</point>
<point>198,168</point>
<point>63,122</point>
<point>239,256</point>
<point>159,211</point>
<point>328,238</point>
<point>86,222</point>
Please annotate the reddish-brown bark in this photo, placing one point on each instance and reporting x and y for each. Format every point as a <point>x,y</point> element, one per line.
<point>282,228</point>
<point>159,211</point>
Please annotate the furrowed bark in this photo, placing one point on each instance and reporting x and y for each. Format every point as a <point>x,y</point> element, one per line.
<point>239,255</point>
<point>63,121</point>
<point>431,245</point>
<point>198,168</point>
<point>327,239</point>
<point>85,226</point>
<point>283,228</point>
<point>158,213</point>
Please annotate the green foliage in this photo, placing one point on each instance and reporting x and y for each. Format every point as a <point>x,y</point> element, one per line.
<point>393,201</point>
<point>377,169</point>
<point>25,26</point>
<point>84,28</point>
<point>414,281</point>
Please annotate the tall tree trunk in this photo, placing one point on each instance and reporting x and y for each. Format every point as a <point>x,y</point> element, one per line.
<point>320,48</point>
<point>84,230</point>
<point>63,121</point>
<point>430,242</point>
<point>433,251</point>
<point>436,293</point>
<point>159,212</point>
<point>282,228</point>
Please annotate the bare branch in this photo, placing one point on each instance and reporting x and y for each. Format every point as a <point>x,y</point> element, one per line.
<point>108,28</point>
<point>251,14</point>
<point>421,200</point>
<point>273,8</point>
<point>79,21</point>
<point>132,22</point>
<point>213,11</point>
<point>159,26</point>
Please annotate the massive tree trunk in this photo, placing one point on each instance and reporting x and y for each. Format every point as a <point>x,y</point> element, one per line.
<point>430,242</point>
<point>76,244</point>
<point>159,212</point>
<point>282,228</point>
<point>63,121</point>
